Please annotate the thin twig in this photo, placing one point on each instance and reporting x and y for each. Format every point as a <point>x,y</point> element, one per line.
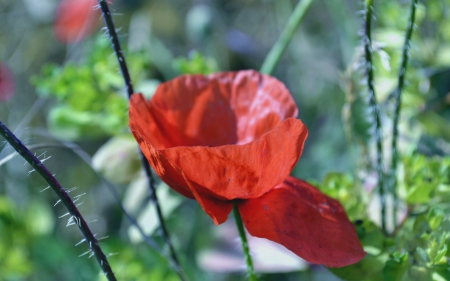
<point>129,87</point>
<point>248,258</point>
<point>398,98</point>
<point>278,49</point>
<point>39,167</point>
<point>116,46</point>
<point>374,107</point>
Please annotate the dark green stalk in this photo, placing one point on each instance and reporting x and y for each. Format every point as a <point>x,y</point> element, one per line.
<point>398,99</point>
<point>374,107</point>
<point>248,257</point>
<point>129,87</point>
<point>39,167</point>
<point>280,46</point>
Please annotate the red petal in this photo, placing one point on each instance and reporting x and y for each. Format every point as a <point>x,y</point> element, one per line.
<point>191,113</point>
<point>307,222</point>
<point>217,209</point>
<point>230,171</point>
<point>241,171</point>
<point>74,20</point>
<point>164,168</point>
<point>223,108</point>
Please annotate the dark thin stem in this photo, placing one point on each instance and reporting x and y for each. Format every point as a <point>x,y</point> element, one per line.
<point>165,234</point>
<point>398,98</point>
<point>374,108</point>
<point>39,167</point>
<point>278,49</point>
<point>129,87</point>
<point>116,46</point>
<point>248,257</point>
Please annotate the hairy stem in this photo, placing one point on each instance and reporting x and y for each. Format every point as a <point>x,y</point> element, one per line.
<point>116,46</point>
<point>129,87</point>
<point>398,99</point>
<point>248,257</point>
<point>39,167</point>
<point>374,107</point>
<point>280,46</point>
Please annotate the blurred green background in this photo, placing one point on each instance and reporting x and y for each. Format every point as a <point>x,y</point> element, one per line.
<point>70,100</point>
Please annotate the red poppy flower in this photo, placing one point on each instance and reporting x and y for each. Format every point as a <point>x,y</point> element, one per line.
<point>75,19</point>
<point>7,85</point>
<point>233,137</point>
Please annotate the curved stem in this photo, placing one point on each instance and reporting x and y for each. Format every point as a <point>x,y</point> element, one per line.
<point>39,167</point>
<point>280,46</point>
<point>398,98</point>
<point>374,107</point>
<point>88,160</point>
<point>129,87</point>
<point>248,257</point>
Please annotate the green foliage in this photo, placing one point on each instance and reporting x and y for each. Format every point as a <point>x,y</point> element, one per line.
<point>136,263</point>
<point>418,248</point>
<point>91,100</point>
<point>14,256</point>
<point>346,190</point>
<point>195,63</point>
<point>423,179</point>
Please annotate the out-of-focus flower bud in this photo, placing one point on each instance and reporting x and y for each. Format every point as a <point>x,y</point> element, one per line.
<point>118,160</point>
<point>7,85</point>
<point>74,20</point>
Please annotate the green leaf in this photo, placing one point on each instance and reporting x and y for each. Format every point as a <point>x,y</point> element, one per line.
<point>396,270</point>
<point>419,193</point>
<point>435,217</point>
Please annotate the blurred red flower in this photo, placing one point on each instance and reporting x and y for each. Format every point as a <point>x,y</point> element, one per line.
<point>233,137</point>
<point>7,85</point>
<point>75,19</point>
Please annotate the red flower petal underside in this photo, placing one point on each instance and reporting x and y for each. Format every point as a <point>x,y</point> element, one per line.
<point>74,20</point>
<point>223,108</point>
<point>241,171</point>
<point>230,171</point>
<point>163,168</point>
<point>305,221</point>
<point>217,209</point>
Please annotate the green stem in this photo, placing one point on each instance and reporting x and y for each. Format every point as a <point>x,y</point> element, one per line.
<point>280,46</point>
<point>76,216</point>
<point>129,87</point>
<point>398,98</point>
<point>374,107</point>
<point>248,257</point>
